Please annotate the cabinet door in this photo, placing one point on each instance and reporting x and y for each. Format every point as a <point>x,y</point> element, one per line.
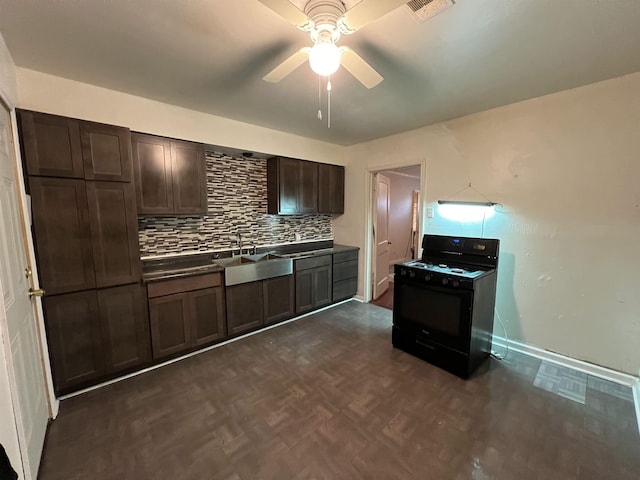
<point>244,307</point>
<point>288,185</point>
<point>169,323</point>
<point>74,339</point>
<point>279,300</point>
<point>308,191</point>
<point>62,234</point>
<point>189,178</point>
<point>114,233</point>
<point>125,327</point>
<point>304,290</point>
<point>322,286</point>
<point>51,145</point>
<point>207,314</point>
<point>330,188</point>
<point>152,169</point>
<point>106,150</point>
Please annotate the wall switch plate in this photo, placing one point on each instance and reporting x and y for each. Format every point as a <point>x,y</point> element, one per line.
<point>429,212</point>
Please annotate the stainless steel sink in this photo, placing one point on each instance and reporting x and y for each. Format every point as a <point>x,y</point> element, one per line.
<point>251,268</point>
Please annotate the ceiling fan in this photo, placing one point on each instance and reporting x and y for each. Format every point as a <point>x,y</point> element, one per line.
<point>326,20</point>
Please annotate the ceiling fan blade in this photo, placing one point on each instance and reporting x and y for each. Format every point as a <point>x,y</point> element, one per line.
<point>360,69</point>
<point>366,12</point>
<point>286,10</point>
<point>288,66</point>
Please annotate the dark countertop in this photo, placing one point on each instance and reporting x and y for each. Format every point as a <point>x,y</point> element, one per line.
<point>203,263</point>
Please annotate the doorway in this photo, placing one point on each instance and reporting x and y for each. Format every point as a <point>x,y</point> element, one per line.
<point>395,226</point>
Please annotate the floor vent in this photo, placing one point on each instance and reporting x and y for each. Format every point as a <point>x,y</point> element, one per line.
<point>425,9</point>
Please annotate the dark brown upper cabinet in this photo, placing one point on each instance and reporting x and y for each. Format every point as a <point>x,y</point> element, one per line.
<point>330,188</point>
<point>51,145</point>
<point>86,233</point>
<point>114,233</point>
<point>64,147</point>
<point>62,234</point>
<point>292,186</point>
<point>106,150</point>
<point>170,176</point>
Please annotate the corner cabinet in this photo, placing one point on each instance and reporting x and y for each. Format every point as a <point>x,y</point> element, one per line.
<point>170,176</point>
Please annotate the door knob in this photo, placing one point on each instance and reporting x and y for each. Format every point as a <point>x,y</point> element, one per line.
<point>36,293</point>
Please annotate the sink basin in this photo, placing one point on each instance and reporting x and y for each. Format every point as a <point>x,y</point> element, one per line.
<point>261,257</point>
<point>252,268</point>
<point>233,261</point>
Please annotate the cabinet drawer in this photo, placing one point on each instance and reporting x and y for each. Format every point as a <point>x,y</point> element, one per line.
<point>179,285</point>
<point>345,289</point>
<point>345,256</point>
<point>312,262</point>
<point>345,270</point>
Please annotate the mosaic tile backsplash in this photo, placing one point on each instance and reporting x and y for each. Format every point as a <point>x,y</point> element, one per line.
<point>237,203</point>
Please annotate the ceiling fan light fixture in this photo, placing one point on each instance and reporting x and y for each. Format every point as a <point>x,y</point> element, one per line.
<point>324,58</point>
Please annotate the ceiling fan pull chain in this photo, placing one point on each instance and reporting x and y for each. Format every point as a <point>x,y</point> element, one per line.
<point>319,97</point>
<point>329,101</point>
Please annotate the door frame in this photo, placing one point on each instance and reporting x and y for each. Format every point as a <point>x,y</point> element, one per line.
<point>25,217</point>
<point>371,197</point>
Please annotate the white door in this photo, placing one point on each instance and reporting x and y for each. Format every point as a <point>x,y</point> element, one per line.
<point>381,236</point>
<point>19,328</point>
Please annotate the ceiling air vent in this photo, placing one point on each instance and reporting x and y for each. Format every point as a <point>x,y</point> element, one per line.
<point>425,9</point>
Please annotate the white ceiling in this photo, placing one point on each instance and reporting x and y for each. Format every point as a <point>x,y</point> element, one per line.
<point>211,55</point>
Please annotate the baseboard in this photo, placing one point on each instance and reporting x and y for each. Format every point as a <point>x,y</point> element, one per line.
<point>580,365</point>
<point>636,400</point>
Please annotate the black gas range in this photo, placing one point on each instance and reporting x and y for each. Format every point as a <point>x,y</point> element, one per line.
<point>444,303</point>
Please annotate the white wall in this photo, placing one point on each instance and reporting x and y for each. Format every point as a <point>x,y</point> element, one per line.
<point>60,96</point>
<point>566,169</point>
<point>8,433</point>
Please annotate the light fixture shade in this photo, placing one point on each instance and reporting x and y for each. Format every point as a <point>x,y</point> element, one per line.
<point>324,58</point>
<point>462,203</point>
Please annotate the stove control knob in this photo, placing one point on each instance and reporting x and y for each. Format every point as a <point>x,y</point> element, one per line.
<point>427,277</point>
<point>403,272</point>
<point>455,283</point>
<point>412,274</point>
<point>445,281</point>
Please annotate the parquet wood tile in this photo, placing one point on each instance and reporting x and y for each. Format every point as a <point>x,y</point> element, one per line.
<point>327,397</point>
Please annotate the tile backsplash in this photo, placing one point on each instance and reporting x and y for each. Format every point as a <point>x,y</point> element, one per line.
<point>237,202</point>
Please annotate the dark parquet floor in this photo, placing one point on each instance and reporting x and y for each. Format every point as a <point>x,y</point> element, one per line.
<point>327,397</point>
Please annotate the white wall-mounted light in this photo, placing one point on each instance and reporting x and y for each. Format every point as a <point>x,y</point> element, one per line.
<point>467,212</point>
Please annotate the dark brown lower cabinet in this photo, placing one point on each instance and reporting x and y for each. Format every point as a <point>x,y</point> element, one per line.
<point>245,307</point>
<point>186,313</point>
<point>279,299</point>
<point>256,304</point>
<point>345,275</point>
<point>313,283</point>
<point>95,334</point>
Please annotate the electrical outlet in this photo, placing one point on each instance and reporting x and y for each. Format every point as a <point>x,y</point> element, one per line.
<point>298,237</point>
<point>429,212</point>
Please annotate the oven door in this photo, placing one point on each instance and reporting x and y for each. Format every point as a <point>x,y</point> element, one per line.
<point>436,313</point>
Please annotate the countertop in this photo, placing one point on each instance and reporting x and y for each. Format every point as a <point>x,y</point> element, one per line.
<point>200,264</point>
